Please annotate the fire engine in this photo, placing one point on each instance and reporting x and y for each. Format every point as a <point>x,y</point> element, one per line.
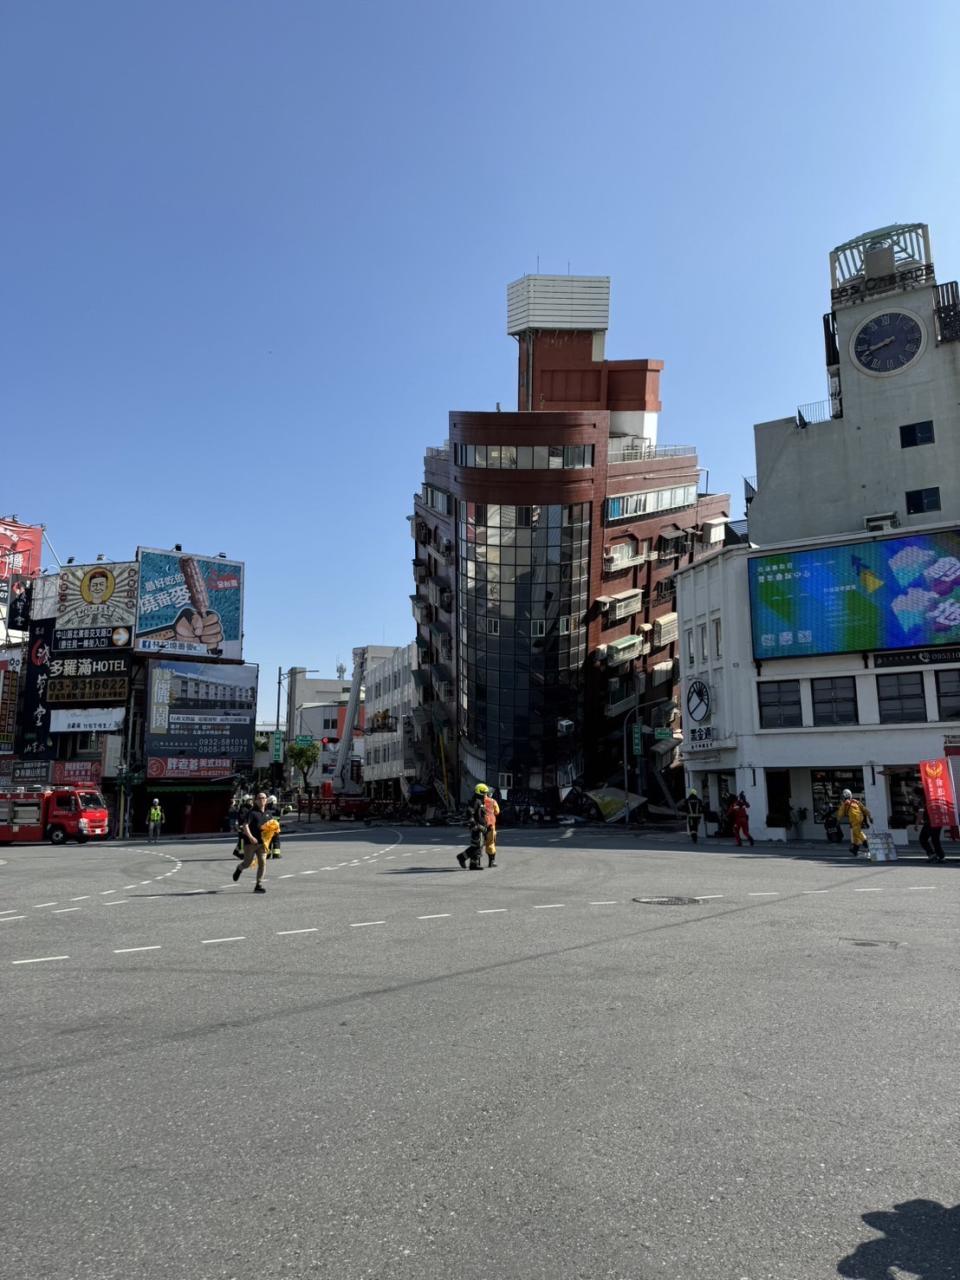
<point>57,814</point>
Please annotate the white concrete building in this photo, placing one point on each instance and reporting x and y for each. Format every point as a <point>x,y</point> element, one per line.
<point>389,767</point>
<point>826,653</point>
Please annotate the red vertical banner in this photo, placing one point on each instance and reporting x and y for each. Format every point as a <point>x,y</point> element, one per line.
<point>938,792</point>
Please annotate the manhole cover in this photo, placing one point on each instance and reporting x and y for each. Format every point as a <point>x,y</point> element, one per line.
<point>669,902</point>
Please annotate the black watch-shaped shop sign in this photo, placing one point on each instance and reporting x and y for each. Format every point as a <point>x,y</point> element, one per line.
<point>698,701</point>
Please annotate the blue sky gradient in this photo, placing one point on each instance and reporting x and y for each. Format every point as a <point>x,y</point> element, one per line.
<point>254,253</point>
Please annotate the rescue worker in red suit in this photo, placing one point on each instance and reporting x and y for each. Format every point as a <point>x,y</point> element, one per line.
<point>739,816</point>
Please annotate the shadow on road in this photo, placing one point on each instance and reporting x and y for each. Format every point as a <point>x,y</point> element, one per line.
<point>421,871</point>
<point>920,1238</point>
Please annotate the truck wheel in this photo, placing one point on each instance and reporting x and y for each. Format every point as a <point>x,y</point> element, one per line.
<point>57,835</point>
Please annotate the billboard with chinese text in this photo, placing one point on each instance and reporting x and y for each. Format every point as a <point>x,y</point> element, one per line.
<point>33,732</point>
<point>96,680</point>
<point>96,606</point>
<point>10,663</point>
<point>189,605</point>
<point>201,711</point>
<point>21,547</point>
<point>891,593</point>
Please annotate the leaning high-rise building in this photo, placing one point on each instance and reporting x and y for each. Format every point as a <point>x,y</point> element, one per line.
<point>547,542</point>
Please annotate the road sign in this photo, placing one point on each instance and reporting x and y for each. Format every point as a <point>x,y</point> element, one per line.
<point>278,745</point>
<point>637,739</point>
<point>661,734</point>
<point>304,739</point>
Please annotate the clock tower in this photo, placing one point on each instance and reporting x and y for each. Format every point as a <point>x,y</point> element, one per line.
<point>881,452</point>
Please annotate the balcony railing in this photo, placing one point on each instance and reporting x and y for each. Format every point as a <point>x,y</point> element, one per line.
<point>613,564</point>
<point>643,452</point>
<point>808,415</point>
<point>438,451</point>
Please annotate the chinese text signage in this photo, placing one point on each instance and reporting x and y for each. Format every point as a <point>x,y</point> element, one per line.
<point>96,606</point>
<point>200,710</point>
<point>189,605</point>
<point>938,792</point>
<point>89,681</point>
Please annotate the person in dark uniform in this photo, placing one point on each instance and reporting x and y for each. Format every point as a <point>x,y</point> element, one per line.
<point>693,808</point>
<point>239,818</point>
<point>253,841</point>
<point>929,834</point>
<point>477,818</point>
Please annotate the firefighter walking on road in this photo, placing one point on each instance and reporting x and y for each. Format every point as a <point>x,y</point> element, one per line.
<point>857,814</point>
<point>479,830</point>
<point>693,808</point>
<point>738,812</point>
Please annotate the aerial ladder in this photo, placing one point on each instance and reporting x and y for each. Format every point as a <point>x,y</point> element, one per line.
<point>347,798</point>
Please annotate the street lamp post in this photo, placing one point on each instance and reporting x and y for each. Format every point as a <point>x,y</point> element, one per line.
<point>634,711</point>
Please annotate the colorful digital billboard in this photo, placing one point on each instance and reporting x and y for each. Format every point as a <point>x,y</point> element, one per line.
<point>891,593</point>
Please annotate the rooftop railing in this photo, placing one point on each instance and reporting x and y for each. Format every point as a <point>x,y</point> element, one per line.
<point>643,452</point>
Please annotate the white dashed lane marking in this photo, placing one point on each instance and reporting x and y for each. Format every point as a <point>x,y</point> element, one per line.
<point>207,942</point>
<point>40,959</point>
<point>63,910</point>
<point>10,919</point>
<point>122,951</point>
<point>364,924</point>
<point>104,892</point>
<point>441,915</point>
<point>82,897</point>
<point>548,906</point>
<point>708,897</point>
<point>116,902</point>
<point>766,893</point>
<point>44,904</point>
<point>492,911</point>
<point>612,902</point>
<point>283,933</point>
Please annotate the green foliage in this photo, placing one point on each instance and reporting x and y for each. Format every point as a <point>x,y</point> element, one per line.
<point>303,758</point>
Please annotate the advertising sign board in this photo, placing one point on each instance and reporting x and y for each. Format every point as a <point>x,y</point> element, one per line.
<point>33,736</point>
<point>96,606</point>
<point>175,768</point>
<point>892,593</point>
<point>189,605</point>
<point>200,710</point>
<point>76,773</point>
<point>21,546</point>
<point>87,720</point>
<point>98,680</point>
<point>10,663</point>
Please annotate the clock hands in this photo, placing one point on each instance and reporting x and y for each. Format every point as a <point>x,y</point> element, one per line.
<point>877,345</point>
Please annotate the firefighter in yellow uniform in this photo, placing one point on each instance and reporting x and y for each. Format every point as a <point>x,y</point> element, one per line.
<point>491,811</point>
<point>858,815</point>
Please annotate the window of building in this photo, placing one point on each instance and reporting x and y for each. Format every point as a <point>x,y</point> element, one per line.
<point>538,627</point>
<point>691,656</point>
<point>493,626</point>
<point>915,433</point>
<point>703,642</point>
<point>948,695</point>
<point>780,704</point>
<point>504,780</point>
<point>717,638</point>
<point>565,625</point>
<point>636,504</point>
<point>921,500</point>
<point>835,700</point>
<point>901,698</point>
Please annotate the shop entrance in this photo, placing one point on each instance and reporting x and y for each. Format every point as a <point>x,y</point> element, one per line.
<point>827,785</point>
<point>778,797</point>
<point>903,783</point>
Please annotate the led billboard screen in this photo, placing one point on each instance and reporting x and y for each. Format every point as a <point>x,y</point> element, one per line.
<point>895,593</point>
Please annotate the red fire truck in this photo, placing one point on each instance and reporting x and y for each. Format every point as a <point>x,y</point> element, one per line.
<point>57,814</point>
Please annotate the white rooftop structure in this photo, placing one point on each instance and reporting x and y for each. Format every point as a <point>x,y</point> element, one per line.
<point>558,302</point>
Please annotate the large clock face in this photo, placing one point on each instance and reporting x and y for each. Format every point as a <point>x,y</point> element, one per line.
<point>888,342</point>
<point>698,701</point>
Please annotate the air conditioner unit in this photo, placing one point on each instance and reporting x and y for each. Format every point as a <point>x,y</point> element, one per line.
<point>882,520</point>
<point>564,728</point>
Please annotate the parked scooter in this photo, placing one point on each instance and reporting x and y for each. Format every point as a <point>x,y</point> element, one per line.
<point>831,826</point>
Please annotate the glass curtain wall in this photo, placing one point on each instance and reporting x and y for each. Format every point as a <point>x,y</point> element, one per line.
<point>521,599</point>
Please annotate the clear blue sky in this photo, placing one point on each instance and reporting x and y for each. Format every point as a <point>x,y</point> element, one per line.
<point>254,252</point>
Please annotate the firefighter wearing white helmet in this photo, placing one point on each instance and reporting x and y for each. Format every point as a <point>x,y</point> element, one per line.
<point>692,807</point>
<point>858,815</point>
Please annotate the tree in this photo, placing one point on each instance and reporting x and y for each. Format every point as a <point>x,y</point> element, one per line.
<point>303,758</point>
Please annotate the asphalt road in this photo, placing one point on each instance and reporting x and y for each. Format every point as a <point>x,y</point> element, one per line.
<point>388,1067</point>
